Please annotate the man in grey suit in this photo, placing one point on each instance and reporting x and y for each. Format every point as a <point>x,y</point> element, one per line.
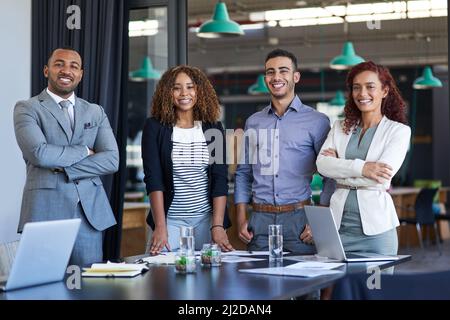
<point>67,144</point>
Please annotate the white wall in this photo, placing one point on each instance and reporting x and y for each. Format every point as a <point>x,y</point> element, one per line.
<point>15,84</point>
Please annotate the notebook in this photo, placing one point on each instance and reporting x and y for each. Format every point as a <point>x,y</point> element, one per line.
<point>43,253</point>
<point>115,270</point>
<point>328,242</point>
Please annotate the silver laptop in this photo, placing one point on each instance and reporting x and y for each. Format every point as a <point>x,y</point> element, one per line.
<point>328,242</point>
<point>43,253</point>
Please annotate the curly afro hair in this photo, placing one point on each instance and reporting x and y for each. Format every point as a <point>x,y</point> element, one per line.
<point>392,106</point>
<point>207,107</point>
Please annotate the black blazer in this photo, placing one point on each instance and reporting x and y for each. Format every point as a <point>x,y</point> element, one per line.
<point>157,148</point>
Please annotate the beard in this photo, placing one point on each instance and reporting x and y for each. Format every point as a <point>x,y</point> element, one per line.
<point>62,90</point>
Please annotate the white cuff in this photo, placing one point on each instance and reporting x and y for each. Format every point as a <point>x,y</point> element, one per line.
<point>358,165</point>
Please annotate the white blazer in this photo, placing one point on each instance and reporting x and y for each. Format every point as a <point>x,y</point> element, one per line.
<point>389,145</point>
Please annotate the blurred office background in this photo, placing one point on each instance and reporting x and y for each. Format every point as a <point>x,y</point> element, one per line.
<point>406,36</point>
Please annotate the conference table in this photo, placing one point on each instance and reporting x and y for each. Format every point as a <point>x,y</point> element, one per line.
<point>161,282</point>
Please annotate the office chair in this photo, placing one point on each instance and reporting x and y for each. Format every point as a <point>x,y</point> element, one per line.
<point>411,286</point>
<point>424,215</point>
<point>7,254</point>
<point>442,217</point>
<point>445,216</point>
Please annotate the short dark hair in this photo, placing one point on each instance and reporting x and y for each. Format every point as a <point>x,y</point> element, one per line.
<point>282,53</point>
<point>61,48</point>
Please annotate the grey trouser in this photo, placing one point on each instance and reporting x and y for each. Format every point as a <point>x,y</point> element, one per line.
<point>293,224</point>
<point>88,247</point>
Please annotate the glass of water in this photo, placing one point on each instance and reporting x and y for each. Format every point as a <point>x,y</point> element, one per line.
<point>187,240</point>
<point>275,242</point>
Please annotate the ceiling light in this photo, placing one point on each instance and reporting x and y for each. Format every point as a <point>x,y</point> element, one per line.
<point>347,59</point>
<point>220,26</point>
<point>427,80</point>
<point>145,72</point>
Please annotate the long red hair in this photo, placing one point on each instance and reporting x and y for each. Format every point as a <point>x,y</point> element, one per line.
<point>393,106</point>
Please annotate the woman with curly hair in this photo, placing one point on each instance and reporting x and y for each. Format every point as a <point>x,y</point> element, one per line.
<point>362,153</point>
<point>185,176</point>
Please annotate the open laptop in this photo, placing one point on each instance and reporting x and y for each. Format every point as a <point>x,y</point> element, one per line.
<point>43,253</point>
<point>328,242</point>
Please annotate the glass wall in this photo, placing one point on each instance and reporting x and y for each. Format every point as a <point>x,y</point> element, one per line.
<point>148,59</point>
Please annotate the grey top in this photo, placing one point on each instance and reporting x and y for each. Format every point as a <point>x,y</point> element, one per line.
<point>299,135</point>
<point>357,149</point>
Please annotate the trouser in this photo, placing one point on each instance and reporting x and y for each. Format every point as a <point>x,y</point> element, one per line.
<point>202,233</point>
<point>293,224</point>
<point>88,248</point>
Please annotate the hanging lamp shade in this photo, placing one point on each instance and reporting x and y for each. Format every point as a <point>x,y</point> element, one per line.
<point>427,80</point>
<point>338,100</point>
<point>259,87</point>
<point>347,59</point>
<point>145,72</point>
<point>220,26</point>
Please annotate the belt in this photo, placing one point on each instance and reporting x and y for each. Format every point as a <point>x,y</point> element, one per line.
<point>257,207</point>
<point>343,186</point>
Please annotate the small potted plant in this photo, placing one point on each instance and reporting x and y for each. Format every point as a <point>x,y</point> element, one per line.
<point>184,263</point>
<point>211,255</point>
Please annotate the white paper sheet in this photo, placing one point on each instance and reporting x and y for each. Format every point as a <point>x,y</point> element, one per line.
<point>236,259</point>
<point>311,257</point>
<point>315,265</point>
<point>247,253</point>
<point>283,271</point>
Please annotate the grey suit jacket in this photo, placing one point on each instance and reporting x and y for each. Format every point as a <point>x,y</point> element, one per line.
<point>42,133</point>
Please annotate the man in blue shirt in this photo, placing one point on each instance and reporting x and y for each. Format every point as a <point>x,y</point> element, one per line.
<point>283,141</point>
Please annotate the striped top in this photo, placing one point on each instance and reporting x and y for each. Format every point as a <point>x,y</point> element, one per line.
<point>190,159</point>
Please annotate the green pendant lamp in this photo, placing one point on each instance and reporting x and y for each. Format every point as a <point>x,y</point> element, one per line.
<point>259,87</point>
<point>427,80</point>
<point>220,26</point>
<point>347,59</point>
<point>145,72</point>
<point>338,100</point>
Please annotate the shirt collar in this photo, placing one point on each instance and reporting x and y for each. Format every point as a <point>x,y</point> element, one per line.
<point>295,105</point>
<point>58,99</point>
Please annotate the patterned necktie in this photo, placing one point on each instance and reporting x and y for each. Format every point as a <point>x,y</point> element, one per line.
<point>65,104</point>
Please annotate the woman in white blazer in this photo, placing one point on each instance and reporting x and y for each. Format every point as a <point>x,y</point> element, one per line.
<point>362,153</point>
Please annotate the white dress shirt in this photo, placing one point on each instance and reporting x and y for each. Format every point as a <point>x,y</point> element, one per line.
<point>58,99</point>
<point>71,99</point>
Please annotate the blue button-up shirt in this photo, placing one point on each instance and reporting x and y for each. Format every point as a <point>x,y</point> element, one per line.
<point>278,165</point>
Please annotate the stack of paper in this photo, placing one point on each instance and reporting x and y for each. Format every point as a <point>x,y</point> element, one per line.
<point>301,269</point>
<point>162,258</point>
<point>110,269</point>
<point>237,259</point>
<point>166,257</point>
<point>247,253</point>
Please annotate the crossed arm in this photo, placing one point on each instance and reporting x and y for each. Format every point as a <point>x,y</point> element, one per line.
<point>360,173</point>
<point>74,159</point>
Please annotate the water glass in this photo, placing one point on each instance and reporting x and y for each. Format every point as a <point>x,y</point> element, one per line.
<point>275,242</point>
<point>187,240</point>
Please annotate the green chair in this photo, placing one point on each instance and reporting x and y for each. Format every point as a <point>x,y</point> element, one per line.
<point>431,184</point>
